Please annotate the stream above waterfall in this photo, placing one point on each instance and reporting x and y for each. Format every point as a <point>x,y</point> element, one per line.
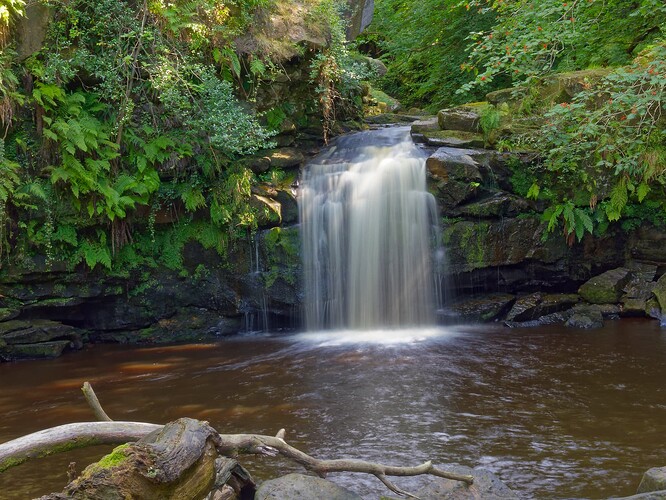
<point>555,412</point>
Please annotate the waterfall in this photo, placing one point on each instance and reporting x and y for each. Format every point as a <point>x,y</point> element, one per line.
<point>369,231</point>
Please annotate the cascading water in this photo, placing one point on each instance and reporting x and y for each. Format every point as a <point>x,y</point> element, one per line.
<point>369,228</point>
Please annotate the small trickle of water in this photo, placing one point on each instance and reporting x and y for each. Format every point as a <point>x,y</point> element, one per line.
<point>369,229</point>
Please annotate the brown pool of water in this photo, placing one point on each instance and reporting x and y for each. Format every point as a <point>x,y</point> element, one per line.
<point>555,412</point>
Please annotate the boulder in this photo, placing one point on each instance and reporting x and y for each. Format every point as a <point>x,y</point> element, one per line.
<point>466,118</point>
<point>286,158</point>
<point>556,318</point>
<point>358,15</point>
<point>607,287</point>
<point>586,317</point>
<point>454,164</point>
<point>32,28</point>
<point>453,139</point>
<point>653,480</point>
<point>534,306</point>
<point>475,245</point>
<point>41,350</point>
<point>562,87</point>
<point>420,127</point>
<point>304,487</point>
<point>499,204</point>
<point>486,486</point>
<point>268,210</point>
<point>639,289</point>
<point>289,206</point>
<point>659,292</point>
<point>482,308</point>
<point>32,332</point>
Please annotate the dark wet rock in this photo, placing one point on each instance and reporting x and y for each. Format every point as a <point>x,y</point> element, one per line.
<point>525,308</point>
<point>17,332</point>
<point>556,318</point>
<point>586,317</point>
<point>499,243</point>
<point>483,308</point>
<point>289,206</point>
<point>497,205</point>
<point>40,350</point>
<point>534,306</point>
<point>186,325</point>
<point>652,308</point>
<point>258,164</point>
<point>486,486</point>
<point>653,480</point>
<point>452,139</point>
<point>454,164</point>
<point>302,486</point>
<point>634,306</point>
<point>659,292</point>
<point>605,288</point>
<point>8,313</point>
<point>638,290</point>
<point>648,243</point>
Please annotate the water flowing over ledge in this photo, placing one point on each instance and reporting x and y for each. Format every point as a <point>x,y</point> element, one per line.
<point>369,231</point>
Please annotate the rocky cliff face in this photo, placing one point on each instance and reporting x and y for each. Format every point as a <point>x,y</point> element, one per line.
<point>502,263</point>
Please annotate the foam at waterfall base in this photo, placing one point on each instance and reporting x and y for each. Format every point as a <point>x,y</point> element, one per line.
<point>377,337</point>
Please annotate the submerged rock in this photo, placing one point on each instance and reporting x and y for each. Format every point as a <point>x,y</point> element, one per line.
<point>537,305</point>
<point>302,486</point>
<point>483,308</point>
<point>653,480</point>
<point>586,317</point>
<point>486,486</point>
<point>659,292</point>
<point>37,339</point>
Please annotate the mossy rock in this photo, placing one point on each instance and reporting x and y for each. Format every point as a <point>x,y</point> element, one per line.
<point>41,350</point>
<point>7,314</point>
<point>424,125</point>
<point>466,118</point>
<point>607,287</point>
<point>453,138</point>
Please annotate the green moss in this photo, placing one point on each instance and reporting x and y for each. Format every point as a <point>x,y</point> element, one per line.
<point>283,257</point>
<point>10,462</point>
<point>114,458</point>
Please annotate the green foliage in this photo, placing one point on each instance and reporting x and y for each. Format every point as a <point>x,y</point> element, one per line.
<point>231,129</point>
<point>532,38</point>
<point>609,143</point>
<point>335,72</point>
<point>9,8</point>
<point>421,44</point>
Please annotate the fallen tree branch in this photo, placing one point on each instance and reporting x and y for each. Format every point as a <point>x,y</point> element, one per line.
<point>94,403</point>
<point>70,436</point>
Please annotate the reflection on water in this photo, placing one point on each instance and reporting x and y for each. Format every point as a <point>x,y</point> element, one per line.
<point>556,413</point>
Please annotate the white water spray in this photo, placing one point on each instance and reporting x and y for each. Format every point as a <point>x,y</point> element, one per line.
<point>369,228</point>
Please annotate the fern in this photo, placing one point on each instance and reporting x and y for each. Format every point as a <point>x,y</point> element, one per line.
<point>93,252</point>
